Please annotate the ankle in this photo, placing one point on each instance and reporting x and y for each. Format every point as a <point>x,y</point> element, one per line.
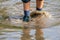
<point>39,9</point>
<point>26,13</point>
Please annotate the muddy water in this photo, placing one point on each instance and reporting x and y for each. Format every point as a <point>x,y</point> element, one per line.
<point>14,9</point>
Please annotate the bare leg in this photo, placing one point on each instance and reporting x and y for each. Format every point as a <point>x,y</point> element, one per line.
<point>39,4</point>
<point>26,6</point>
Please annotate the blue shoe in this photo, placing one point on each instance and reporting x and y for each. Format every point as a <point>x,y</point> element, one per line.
<point>26,18</point>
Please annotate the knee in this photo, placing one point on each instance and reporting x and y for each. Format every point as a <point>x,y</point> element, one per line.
<point>25,1</point>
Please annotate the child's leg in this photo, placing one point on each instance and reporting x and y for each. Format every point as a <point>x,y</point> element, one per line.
<point>39,4</point>
<point>26,6</point>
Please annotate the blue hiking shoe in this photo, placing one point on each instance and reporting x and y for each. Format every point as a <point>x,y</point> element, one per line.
<point>26,18</point>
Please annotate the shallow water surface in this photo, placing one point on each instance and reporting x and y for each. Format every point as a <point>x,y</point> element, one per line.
<point>30,34</point>
<point>14,9</point>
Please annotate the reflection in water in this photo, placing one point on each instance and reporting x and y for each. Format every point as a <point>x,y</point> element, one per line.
<point>39,34</point>
<point>27,36</point>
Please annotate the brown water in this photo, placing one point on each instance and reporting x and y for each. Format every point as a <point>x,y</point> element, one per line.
<point>14,9</point>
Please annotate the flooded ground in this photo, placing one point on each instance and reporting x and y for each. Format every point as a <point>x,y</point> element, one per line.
<point>14,9</point>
